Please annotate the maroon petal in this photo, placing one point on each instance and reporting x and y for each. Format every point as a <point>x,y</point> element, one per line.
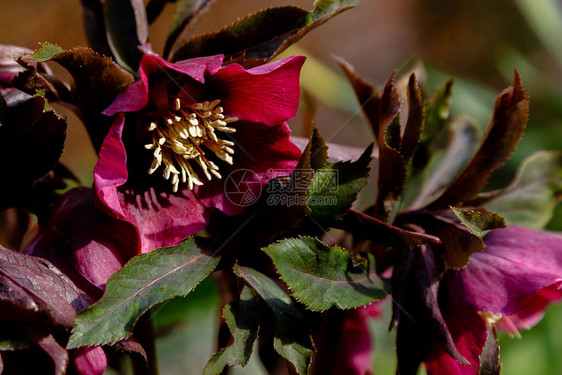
<point>89,361</point>
<point>355,356</point>
<point>195,67</point>
<point>58,354</point>
<point>469,334</point>
<point>534,309</point>
<point>268,93</point>
<point>85,244</point>
<point>515,263</point>
<point>162,219</point>
<point>111,169</point>
<point>135,97</point>
<point>261,153</point>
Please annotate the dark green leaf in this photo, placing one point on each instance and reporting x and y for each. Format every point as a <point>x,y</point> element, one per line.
<point>436,116</point>
<point>318,150</point>
<point>504,132</point>
<point>94,26</point>
<point>321,276</point>
<point>145,281</point>
<point>437,112</point>
<point>46,52</point>
<point>264,35</point>
<point>334,189</point>
<point>479,220</point>
<point>531,198</point>
<point>127,30</point>
<point>187,16</point>
<point>241,317</point>
<point>256,37</point>
<point>292,338</point>
<point>154,8</point>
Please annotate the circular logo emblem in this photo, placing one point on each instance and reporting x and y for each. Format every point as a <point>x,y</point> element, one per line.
<point>242,187</point>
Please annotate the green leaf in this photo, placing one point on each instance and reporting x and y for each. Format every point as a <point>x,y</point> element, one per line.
<point>262,36</point>
<point>318,150</point>
<point>292,338</point>
<point>531,198</point>
<point>334,189</point>
<point>322,277</point>
<point>241,317</point>
<point>127,30</point>
<point>145,281</point>
<point>479,220</point>
<point>46,52</point>
<point>437,112</point>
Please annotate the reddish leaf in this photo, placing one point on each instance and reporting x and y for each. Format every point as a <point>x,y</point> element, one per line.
<point>98,80</point>
<point>414,124</point>
<point>368,227</point>
<point>34,279</point>
<point>33,141</point>
<point>460,230</point>
<point>382,111</point>
<point>57,353</point>
<point>9,68</point>
<point>416,313</point>
<point>490,358</point>
<point>132,347</point>
<point>504,132</point>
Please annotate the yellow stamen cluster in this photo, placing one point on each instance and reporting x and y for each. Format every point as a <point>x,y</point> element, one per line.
<point>180,137</point>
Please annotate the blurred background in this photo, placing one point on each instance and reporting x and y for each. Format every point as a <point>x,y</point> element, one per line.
<point>477,42</point>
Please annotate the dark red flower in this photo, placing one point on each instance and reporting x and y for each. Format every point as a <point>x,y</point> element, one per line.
<point>512,281</point>
<point>88,247</point>
<point>188,126</point>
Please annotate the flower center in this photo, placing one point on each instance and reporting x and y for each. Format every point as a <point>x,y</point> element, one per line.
<point>182,135</point>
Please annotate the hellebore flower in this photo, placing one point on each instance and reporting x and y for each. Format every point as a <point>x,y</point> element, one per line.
<point>355,355</point>
<point>514,279</point>
<point>188,126</point>
<point>88,247</point>
<point>83,242</point>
